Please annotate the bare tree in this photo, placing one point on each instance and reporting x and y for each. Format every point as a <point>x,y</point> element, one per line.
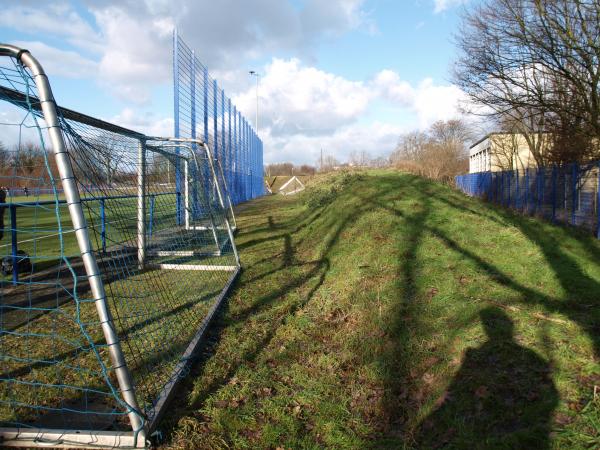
<point>439,153</point>
<point>4,158</point>
<point>306,169</point>
<point>27,158</point>
<point>534,63</point>
<point>329,163</point>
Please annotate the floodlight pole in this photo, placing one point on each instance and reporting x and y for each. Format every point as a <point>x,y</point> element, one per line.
<point>257,75</point>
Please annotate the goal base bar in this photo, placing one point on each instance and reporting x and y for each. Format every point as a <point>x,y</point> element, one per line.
<point>57,438</point>
<point>192,267</point>
<point>182,253</point>
<point>205,228</point>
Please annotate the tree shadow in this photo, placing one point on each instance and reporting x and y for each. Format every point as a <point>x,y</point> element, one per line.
<point>406,388</point>
<point>267,307</point>
<point>581,292</point>
<point>503,396</point>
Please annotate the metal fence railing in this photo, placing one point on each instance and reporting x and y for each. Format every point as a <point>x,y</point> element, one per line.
<point>203,111</point>
<point>562,194</point>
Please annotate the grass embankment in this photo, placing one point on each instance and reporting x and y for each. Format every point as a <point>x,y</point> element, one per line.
<point>397,313</point>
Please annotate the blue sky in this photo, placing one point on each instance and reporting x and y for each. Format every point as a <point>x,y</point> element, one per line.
<point>342,75</point>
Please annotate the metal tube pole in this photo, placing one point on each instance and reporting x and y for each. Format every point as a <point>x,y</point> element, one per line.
<point>186,201</point>
<point>177,126</point>
<point>14,244</point>
<point>69,183</point>
<point>141,204</point>
<point>227,193</point>
<point>229,231</point>
<point>151,220</point>
<point>103,224</point>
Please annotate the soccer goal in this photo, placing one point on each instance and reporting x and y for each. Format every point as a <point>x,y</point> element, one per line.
<point>292,186</point>
<point>119,249</point>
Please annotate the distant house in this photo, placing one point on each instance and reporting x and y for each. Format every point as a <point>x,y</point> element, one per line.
<point>501,151</point>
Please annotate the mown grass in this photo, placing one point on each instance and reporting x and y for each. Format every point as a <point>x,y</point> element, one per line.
<point>397,313</point>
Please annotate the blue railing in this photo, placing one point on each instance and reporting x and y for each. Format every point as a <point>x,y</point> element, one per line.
<point>12,208</point>
<point>566,194</point>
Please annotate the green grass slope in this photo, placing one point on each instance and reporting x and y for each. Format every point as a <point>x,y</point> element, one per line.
<point>382,310</point>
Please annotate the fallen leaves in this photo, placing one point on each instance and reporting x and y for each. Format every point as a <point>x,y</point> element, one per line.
<point>482,392</point>
<point>432,292</point>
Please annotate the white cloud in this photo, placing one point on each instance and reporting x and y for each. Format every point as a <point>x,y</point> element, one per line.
<point>51,19</point>
<point>436,102</point>
<point>132,40</point>
<point>391,87</point>
<point>442,5</point>
<point>297,99</point>
<point>303,108</point>
<point>147,123</point>
<point>377,139</point>
<point>57,62</point>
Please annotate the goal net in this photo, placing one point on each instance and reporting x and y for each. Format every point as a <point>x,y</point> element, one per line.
<point>117,249</point>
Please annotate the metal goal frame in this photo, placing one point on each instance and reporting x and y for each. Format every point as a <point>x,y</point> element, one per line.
<point>143,423</point>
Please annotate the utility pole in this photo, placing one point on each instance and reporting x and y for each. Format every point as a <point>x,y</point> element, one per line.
<point>321,159</point>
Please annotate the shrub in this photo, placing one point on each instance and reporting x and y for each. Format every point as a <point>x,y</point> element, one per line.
<point>326,190</point>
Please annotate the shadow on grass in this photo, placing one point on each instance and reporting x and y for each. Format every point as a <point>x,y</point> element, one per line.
<point>581,301</point>
<point>498,375</point>
<point>501,397</point>
<point>275,307</point>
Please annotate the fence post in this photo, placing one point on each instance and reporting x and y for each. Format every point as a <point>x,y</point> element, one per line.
<point>225,165</point>
<point>177,130</point>
<point>14,245</point>
<point>574,175</point>
<point>541,182</point>
<point>103,225</point>
<point>598,203</point>
<point>554,176</point>
<point>151,220</point>
<point>194,211</point>
<point>509,176</point>
<point>527,190</point>
<point>502,188</point>
<point>517,191</point>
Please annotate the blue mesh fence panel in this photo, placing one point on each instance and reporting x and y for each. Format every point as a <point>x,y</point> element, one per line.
<point>567,194</point>
<point>203,110</point>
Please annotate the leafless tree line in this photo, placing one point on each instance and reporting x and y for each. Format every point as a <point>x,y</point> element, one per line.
<point>533,67</point>
<point>288,168</point>
<point>27,160</point>
<point>439,153</point>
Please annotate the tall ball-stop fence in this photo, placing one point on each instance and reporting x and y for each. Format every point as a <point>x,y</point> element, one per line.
<point>117,248</point>
<point>203,110</point>
<point>567,194</point>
